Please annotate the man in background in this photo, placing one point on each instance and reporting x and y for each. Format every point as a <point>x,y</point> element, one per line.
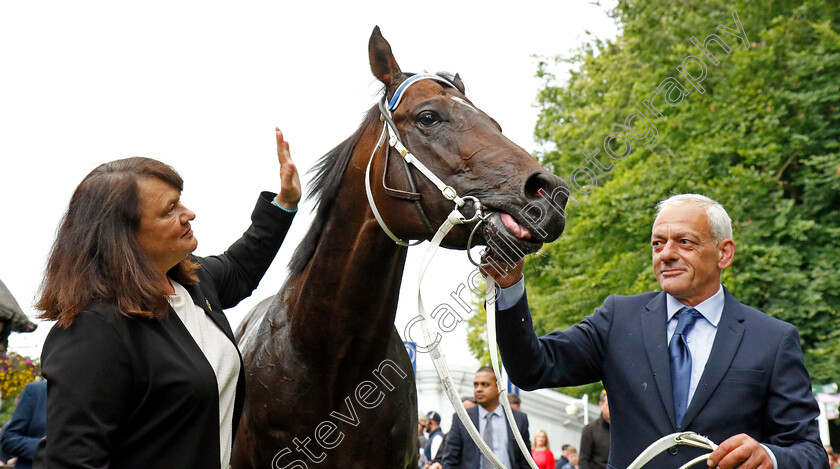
<point>515,402</point>
<point>435,435</point>
<point>595,439</point>
<point>27,426</point>
<point>488,417</point>
<point>564,457</point>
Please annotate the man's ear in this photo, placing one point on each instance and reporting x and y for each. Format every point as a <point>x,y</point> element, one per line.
<point>726,253</point>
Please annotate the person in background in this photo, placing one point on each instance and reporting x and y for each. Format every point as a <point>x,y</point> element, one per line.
<point>574,460</point>
<point>141,365</point>
<point>595,439</point>
<point>515,402</point>
<point>564,457</point>
<point>833,459</point>
<point>468,401</point>
<point>435,435</point>
<point>461,451</point>
<point>541,451</point>
<point>421,441</point>
<point>27,426</point>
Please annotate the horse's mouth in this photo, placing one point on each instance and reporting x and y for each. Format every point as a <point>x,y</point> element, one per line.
<point>508,239</point>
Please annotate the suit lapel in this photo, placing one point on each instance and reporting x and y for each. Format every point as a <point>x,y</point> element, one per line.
<point>218,317</point>
<point>655,335</point>
<point>474,417</point>
<point>730,331</point>
<point>512,446</point>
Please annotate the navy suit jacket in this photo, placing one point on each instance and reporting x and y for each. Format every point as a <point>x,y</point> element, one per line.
<point>27,426</point>
<point>462,453</point>
<point>755,381</point>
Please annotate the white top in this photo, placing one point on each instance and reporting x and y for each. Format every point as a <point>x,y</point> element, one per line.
<point>436,441</point>
<point>220,353</point>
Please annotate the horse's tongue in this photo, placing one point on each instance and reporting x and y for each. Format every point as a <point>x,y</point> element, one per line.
<point>518,230</point>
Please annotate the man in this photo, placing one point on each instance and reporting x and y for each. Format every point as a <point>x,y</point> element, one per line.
<point>731,372</point>
<point>435,435</point>
<point>573,462</point>
<point>27,426</point>
<point>488,416</point>
<point>564,457</point>
<point>421,440</point>
<point>595,439</point>
<point>469,402</point>
<point>515,402</point>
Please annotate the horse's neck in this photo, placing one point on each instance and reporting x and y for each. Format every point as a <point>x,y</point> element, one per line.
<point>348,292</point>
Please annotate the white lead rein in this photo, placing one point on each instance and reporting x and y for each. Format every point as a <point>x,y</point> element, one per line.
<point>438,360</point>
<point>674,439</point>
<point>490,308</point>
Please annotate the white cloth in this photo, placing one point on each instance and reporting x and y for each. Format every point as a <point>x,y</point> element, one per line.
<point>220,353</point>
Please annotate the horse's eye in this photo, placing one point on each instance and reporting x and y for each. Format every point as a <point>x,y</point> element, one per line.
<point>428,118</point>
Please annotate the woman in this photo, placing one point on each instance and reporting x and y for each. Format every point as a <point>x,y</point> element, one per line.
<point>540,451</point>
<point>142,367</point>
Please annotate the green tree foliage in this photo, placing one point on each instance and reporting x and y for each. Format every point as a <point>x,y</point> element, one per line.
<point>762,139</point>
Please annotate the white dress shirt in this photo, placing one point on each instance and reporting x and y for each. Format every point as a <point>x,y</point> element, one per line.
<point>500,436</point>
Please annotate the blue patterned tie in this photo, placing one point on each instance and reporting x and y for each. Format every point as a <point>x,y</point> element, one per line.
<point>681,360</point>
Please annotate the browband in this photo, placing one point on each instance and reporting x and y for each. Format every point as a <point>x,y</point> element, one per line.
<point>395,101</point>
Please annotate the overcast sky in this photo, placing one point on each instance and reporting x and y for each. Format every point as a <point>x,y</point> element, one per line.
<point>201,85</point>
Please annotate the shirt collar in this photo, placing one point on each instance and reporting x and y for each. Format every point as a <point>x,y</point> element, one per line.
<point>482,412</point>
<point>711,308</point>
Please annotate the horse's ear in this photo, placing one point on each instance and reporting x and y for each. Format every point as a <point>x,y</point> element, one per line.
<point>456,80</point>
<point>382,62</point>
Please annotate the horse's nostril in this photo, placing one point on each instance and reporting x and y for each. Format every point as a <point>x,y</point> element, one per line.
<point>536,186</point>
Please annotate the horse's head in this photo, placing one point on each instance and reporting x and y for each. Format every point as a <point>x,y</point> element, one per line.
<point>523,203</point>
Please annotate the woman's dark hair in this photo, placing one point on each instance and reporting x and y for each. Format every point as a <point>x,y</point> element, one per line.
<point>96,255</point>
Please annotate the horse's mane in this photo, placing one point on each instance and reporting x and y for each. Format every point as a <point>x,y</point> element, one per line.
<point>324,187</point>
<point>328,173</point>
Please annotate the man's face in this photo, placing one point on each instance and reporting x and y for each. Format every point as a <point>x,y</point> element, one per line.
<point>686,260</point>
<point>605,408</point>
<point>486,391</point>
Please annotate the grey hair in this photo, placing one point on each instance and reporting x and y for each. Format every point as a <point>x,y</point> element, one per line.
<point>719,221</point>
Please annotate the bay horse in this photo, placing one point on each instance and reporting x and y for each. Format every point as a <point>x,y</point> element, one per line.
<point>329,380</point>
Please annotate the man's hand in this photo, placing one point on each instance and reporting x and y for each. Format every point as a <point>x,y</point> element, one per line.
<point>505,275</point>
<point>740,451</point>
<point>290,191</point>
